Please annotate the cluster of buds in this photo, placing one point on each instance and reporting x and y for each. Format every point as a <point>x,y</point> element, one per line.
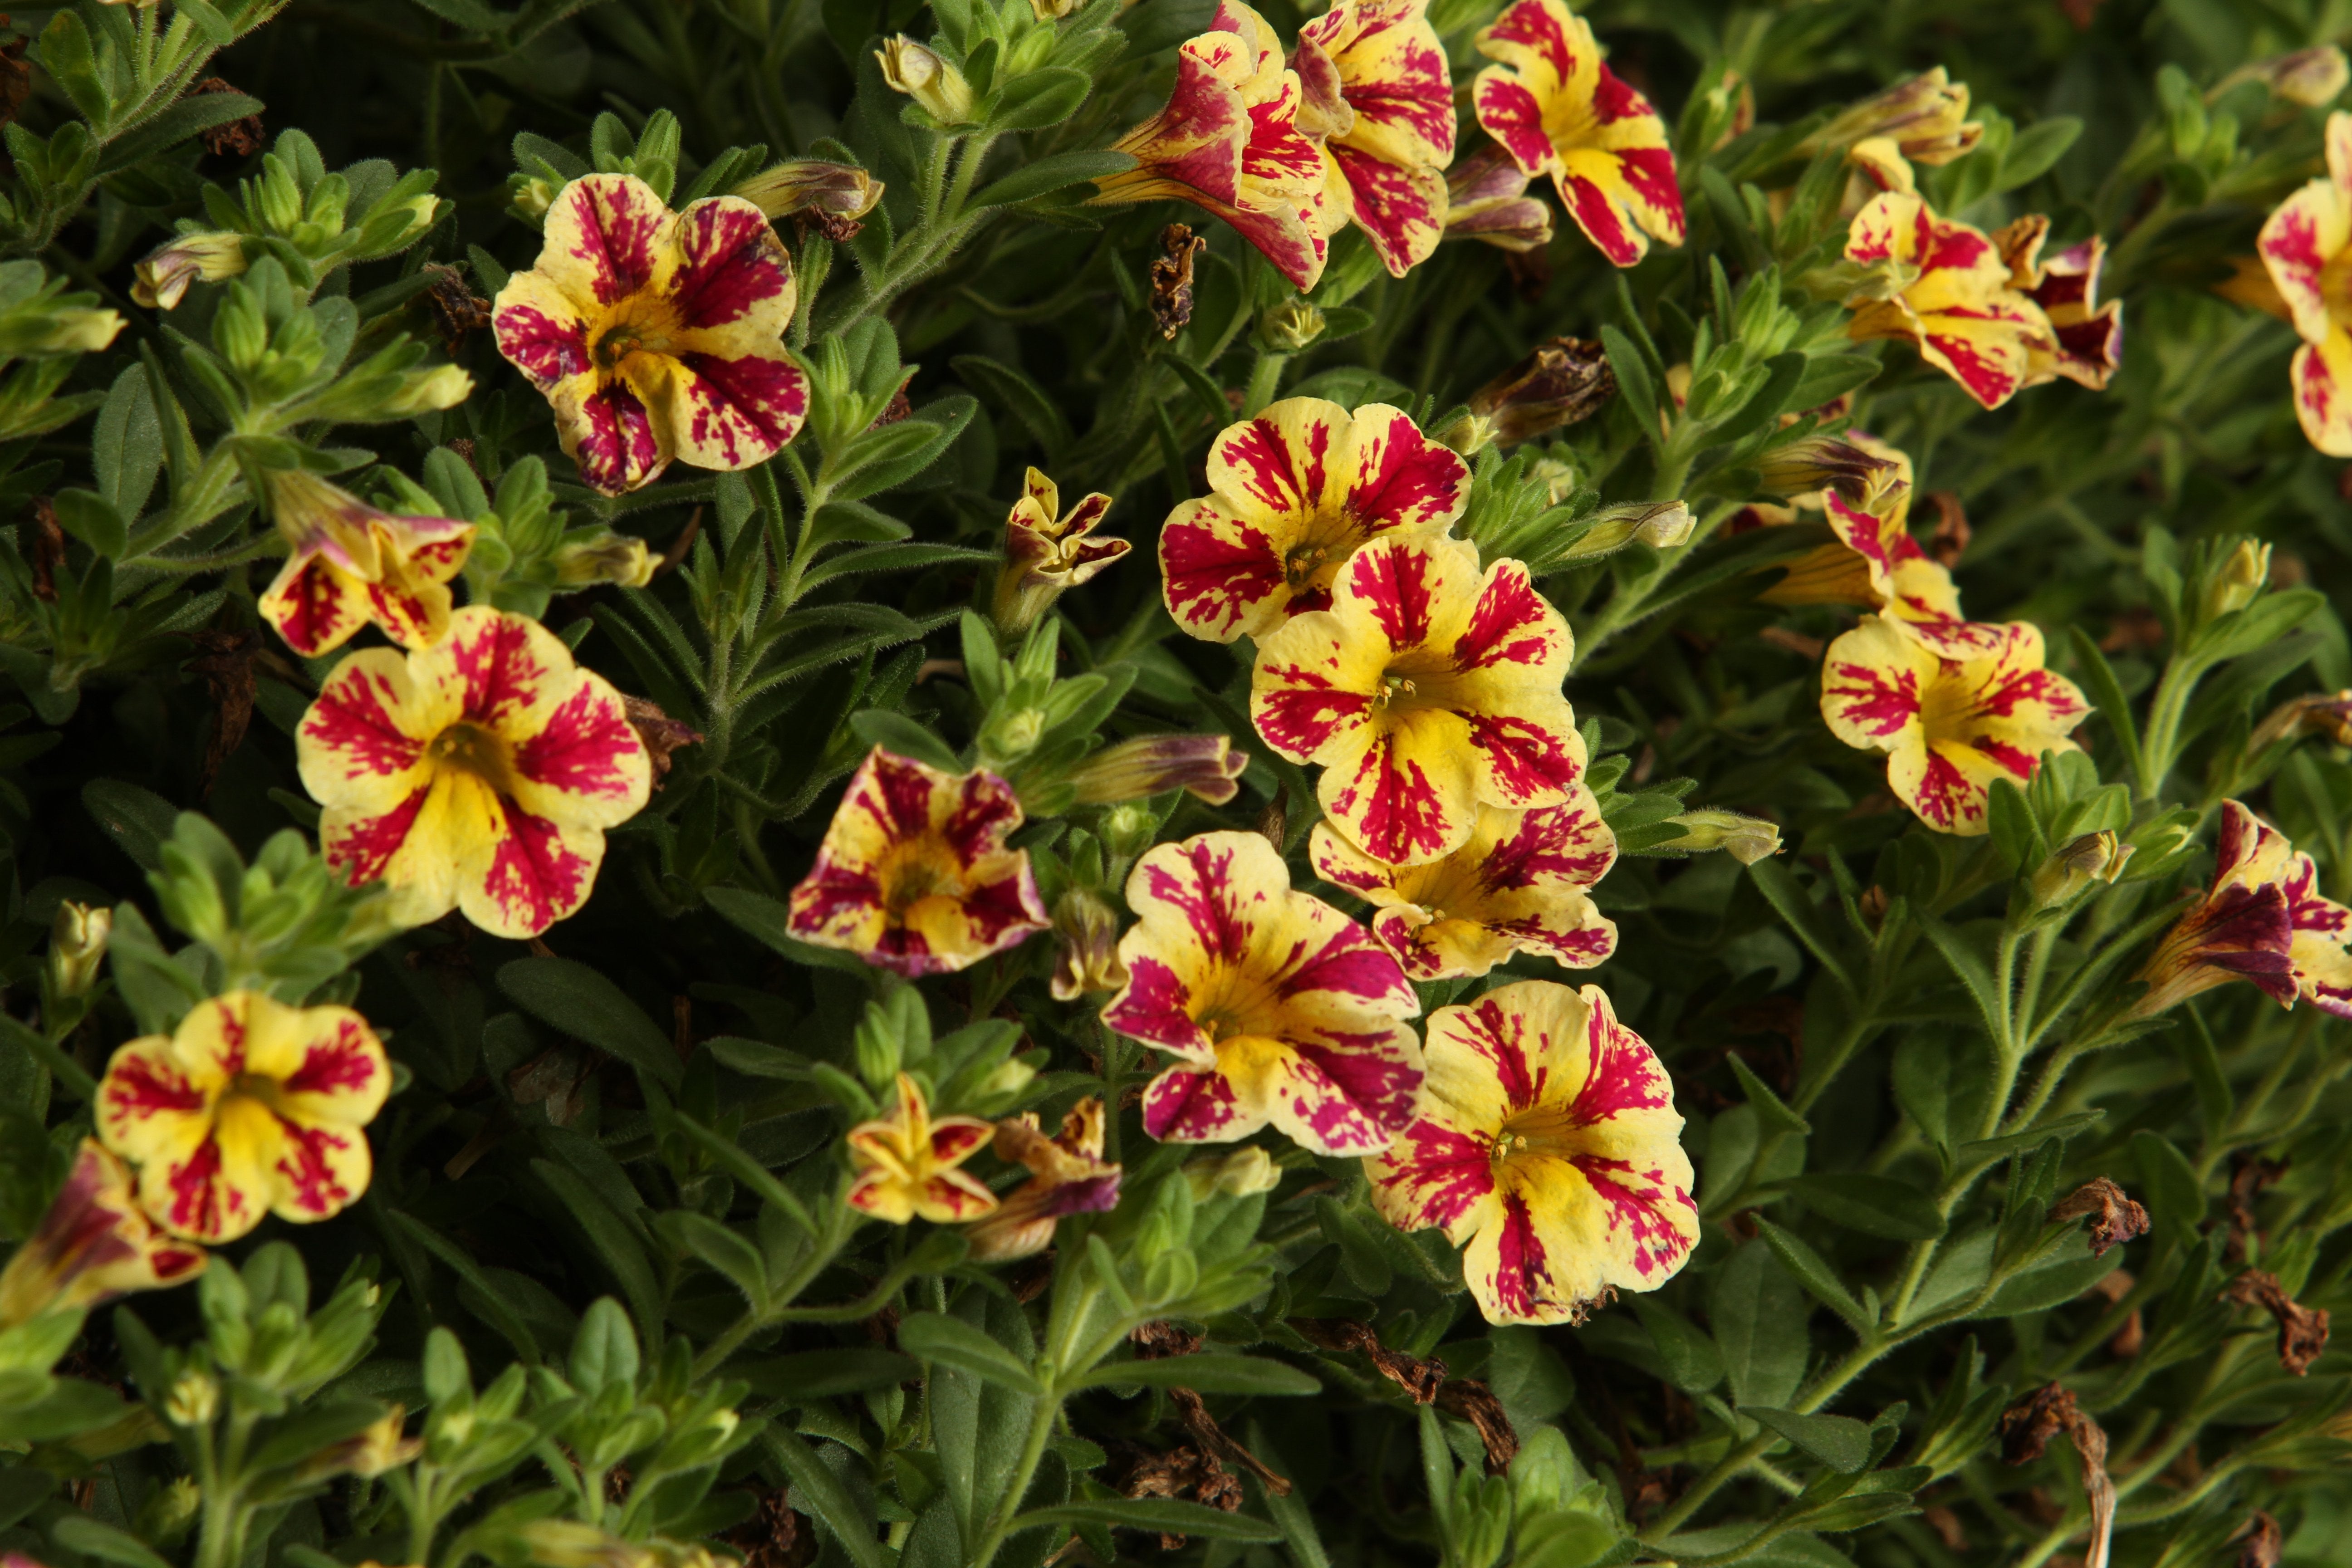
<point>288,922</point>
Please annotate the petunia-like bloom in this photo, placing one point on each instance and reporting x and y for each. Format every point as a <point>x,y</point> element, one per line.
<point>1067,1176</point>
<point>1427,690</point>
<point>913,875</point>
<point>1374,79</point>
<point>1546,1145</point>
<point>1559,111</point>
<point>2304,244</point>
<point>477,775</point>
<point>1520,884</point>
<point>1486,199</point>
<point>1293,494</point>
<point>906,1162</point>
<point>250,1106</point>
<point>1046,553</point>
<point>1230,142</point>
<point>656,336</point>
<point>1949,727</point>
<point>347,563</point>
<point>1278,1007</point>
<point>2262,919</point>
<point>1943,287</point>
<point>94,1243</point>
<point>2086,338</point>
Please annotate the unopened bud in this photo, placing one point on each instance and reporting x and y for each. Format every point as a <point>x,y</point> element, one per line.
<point>617,558</point>
<point>170,1511</point>
<point>429,391</point>
<point>1658,524</point>
<point>1054,10</point>
<point>369,1453</point>
<point>1825,462</point>
<point>1127,830</point>
<point>1086,945</point>
<point>1007,1080</point>
<point>193,1400</point>
<point>529,197</point>
<point>1239,1175</point>
<point>78,946</point>
<point>1745,839</point>
<point>2240,580</point>
<point>1205,765</point>
<point>878,1048</point>
<point>2315,713</point>
<point>161,279</point>
<point>843,192</point>
<point>1012,735</point>
<point>1926,117</point>
<point>922,75</point>
<point>1560,382</point>
<point>1487,200</point>
<point>2312,78</point>
<point>2078,863</point>
<point>1291,325</point>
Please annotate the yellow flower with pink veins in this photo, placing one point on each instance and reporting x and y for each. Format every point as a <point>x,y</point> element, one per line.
<point>907,1161</point>
<point>2304,244</point>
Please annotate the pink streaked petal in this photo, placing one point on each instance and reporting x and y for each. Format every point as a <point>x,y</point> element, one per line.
<point>1155,1007</point>
<point>957,1138</point>
<point>1652,1224</point>
<point>1300,710</point>
<point>2322,379</point>
<point>1602,222</point>
<point>1351,964</point>
<point>1402,210</point>
<point>506,667</point>
<point>1514,117</point>
<point>588,754</point>
<point>1528,759</point>
<point>732,413</point>
<point>541,872</point>
<point>1406,797</point>
<point>731,267</point>
<point>1432,1175</point>
<point>320,1169</point>
<point>315,607</point>
<point>1221,578</point>
<point>1194,1104</point>
<point>1400,479</point>
<point>611,435</point>
<point>601,234</point>
<point>1513,625</point>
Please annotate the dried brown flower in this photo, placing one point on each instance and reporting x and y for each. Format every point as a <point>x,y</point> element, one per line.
<point>1426,1381</point>
<point>238,138</point>
<point>225,661</point>
<point>2025,1433</point>
<point>2302,1331</point>
<point>1950,539</point>
<point>661,733</point>
<point>44,547</point>
<point>457,309</point>
<point>774,1536</point>
<point>2115,1219</point>
<point>2265,1543</point>
<point>2249,1175</point>
<point>1172,277</point>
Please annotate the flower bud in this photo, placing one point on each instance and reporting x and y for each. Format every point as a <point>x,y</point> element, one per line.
<point>2315,713</point>
<point>78,946</point>
<point>1658,524</point>
<point>1926,117</point>
<point>163,278</point>
<point>1011,735</point>
<point>2312,78</point>
<point>2240,580</point>
<point>2078,863</point>
<point>1242,1173</point>
<point>841,192</point>
<point>193,1400</point>
<point>1291,325</point>
<point>428,392</point>
<point>529,197</point>
<point>94,1243</point>
<point>169,1513</point>
<point>1745,839</point>
<point>1054,10</point>
<point>1126,830</point>
<point>1205,765</point>
<point>1086,945</point>
<point>617,558</point>
<point>1825,462</point>
<point>368,1453</point>
<point>922,75</point>
<point>1489,201</point>
<point>281,198</point>
<point>1561,382</point>
<point>1048,552</point>
<point>1008,1079</point>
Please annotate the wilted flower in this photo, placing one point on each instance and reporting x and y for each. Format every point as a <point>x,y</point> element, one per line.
<point>838,194</point>
<point>1518,884</point>
<point>913,875</point>
<point>1942,285</point>
<point>620,559</point>
<point>2086,338</point>
<point>1745,839</point>
<point>1950,727</point>
<point>349,564</point>
<point>1278,1007</point>
<point>1925,116</point>
<point>250,1106</point>
<point>1205,765</point>
<point>1427,690</point>
<point>477,775</point>
<point>1066,1175</point>
<point>1546,1145</point>
<point>1241,1174</point>
<point>2315,713</point>
<point>657,335</point>
<point>2262,919</point>
<point>1293,494</point>
<point>1486,199</point>
<point>78,934</point>
<point>163,276</point>
<point>1086,945</point>
<point>2303,242</point>
<point>1559,111</point>
<point>1374,77</point>
<point>906,1162</point>
<point>1563,382</point>
<point>92,1244</point>
<point>1046,553</point>
<point>922,75</point>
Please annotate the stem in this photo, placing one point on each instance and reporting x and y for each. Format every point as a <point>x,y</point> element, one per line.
<point>1266,379</point>
<point>2160,741</point>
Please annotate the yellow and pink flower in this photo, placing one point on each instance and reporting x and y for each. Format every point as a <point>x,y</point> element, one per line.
<point>2086,338</point>
<point>1520,884</point>
<point>1276,1007</point>
<point>913,875</point>
<point>1558,110</point>
<point>477,775</point>
<point>92,1244</point>
<point>906,1162</point>
<point>1426,690</point>
<point>1293,494</point>
<point>1949,726</point>
<point>656,336</point>
<point>1048,553</point>
<point>250,1106</point>
<point>1374,78</point>
<point>2304,244</point>
<point>1943,287</point>
<point>2261,919</point>
<point>1067,1175</point>
<point>349,564</point>
<point>1547,1146</point>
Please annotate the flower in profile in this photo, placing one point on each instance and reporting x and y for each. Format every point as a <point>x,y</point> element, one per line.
<point>1230,142</point>
<point>1546,1145</point>
<point>163,276</point>
<point>2314,713</point>
<point>1373,77</point>
<point>1293,494</point>
<point>834,195</point>
<point>1205,766</point>
<point>1486,199</point>
<point>349,564</point>
<point>477,775</point>
<point>1943,287</point>
<point>922,75</point>
<point>656,336</point>
<point>250,1106</point>
<point>1518,884</point>
<point>1949,726</point>
<point>1925,116</point>
<point>1278,1007</point>
<point>380,1445</point>
<point>906,1162</point>
<point>2260,919</point>
<point>2303,243</point>
<point>93,1242</point>
<point>1558,110</point>
<point>913,875</point>
<point>1561,382</point>
<point>1048,553</point>
<point>2086,338</point>
<point>1902,581</point>
<point>1066,1175</point>
<point>1427,690</point>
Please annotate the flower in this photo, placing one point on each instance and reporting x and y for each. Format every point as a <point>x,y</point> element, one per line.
<point>1545,1144</point>
<point>249,1107</point>
<point>477,775</point>
<point>1425,691</point>
<point>1858,467</point>
<point>907,1162</point>
<point>913,875</point>
<point>1278,1007</point>
<point>1915,592</point>
<point>1293,494</point>
<point>620,559</point>
<point>1558,110</point>
<point>1206,766</point>
<point>160,279</point>
<point>1373,73</point>
<point>1046,553</point>
<point>1086,945</point>
<point>836,195</point>
<point>1486,199</point>
<point>2086,338</point>
<point>1516,885</point>
<point>2302,244</point>
<point>1066,1175</point>
<point>1230,142</point>
<point>349,564</point>
<point>2262,919</point>
<point>922,75</point>
<point>1924,116</point>
<point>2314,713</point>
<point>1943,286</point>
<point>380,1445</point>
<point>657,335</point>
<point>1949,726</point>
<point>93,1242</point>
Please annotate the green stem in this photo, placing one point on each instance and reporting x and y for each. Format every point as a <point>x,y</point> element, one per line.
<point>2159,743</point>
<point>1266,379</point>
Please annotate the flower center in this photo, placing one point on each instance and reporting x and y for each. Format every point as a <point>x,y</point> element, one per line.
<point>624,338</point>
<point>470,749</point>
<point>1301,562</point>
<point>259,1088</point>
<point>915,878</point>
<point>1395,688</point>
<point>1947,710</point>
<point>1536,1132</point>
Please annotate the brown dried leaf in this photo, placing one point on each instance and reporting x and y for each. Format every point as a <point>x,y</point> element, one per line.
<point>225,661</point>
<point>2264,1543</point>
<point>1952,533</point>
<point>45,551</point>
<point>2248,1176</point>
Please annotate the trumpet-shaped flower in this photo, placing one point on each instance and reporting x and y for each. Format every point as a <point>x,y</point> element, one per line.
<point>1943,287</point>
<point>250,1106</point>
<point>656,336</point>
<point>1559,111</point>
<point>913,875</point>
<point>1897,577</point>
<point>1949,726</point>
<point>1374,75</point>
<point>2305,245</point>
<point>477,775</point>
<point>2262,919</point>
<point>2086,338</point>
<point>92,1244</point>
<point>1293,494</point>
<point>1546,1144</point>
<point>1278,1007</point>
<point>349,564</point>
<point>1230,142</point>
<point>906,1162</point>
<point>1486,199</point>
<point>1426,690</point>
<point>1046,553</point>
<point>1517,885</point>
<point>1067,1176</point>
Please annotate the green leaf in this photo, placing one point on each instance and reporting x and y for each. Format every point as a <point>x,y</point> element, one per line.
<point>1758,1314</point>
<point>1693,1364</point>
<point>903,557</point>
<point>2035,150</point>
<point>1040,98</point>
<point>1814,1273</point>
<point>137,819</point>
<point>1968,966</point>
<point>1634,380</point>
<point>763,917</point>
<point>1772,1115</point>
<point>613,1239</point>
<point>1048,175</point>
<point>1018,396</point>
<point>901,736</point>
<point>1873,1205</point>
<point>804,1375</point>
<point>2176,1198</point>
<point>1831,377</point>
<point>489,1301</point>
<point>1210,1372</point>
<point>187,118</point>
<point>1779,887</point>
<point>952,1341</point>
<point>1167,1515</point>
<point>586,1005</point>
<point>813,1482</point>
<point>80,1533</point>
<point>1838,1441</point>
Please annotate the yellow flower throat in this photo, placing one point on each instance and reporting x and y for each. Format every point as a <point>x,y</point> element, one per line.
<point>470,749</point>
